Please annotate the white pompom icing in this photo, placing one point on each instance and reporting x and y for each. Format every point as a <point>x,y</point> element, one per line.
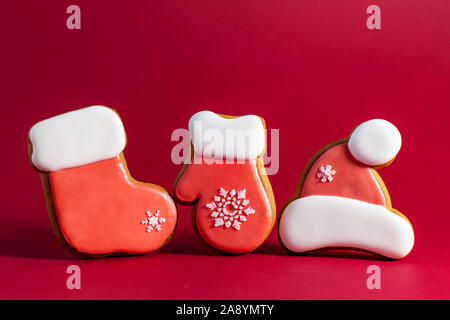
<point>216,137</point>
<point>77,138</point>
<point>375,142</point>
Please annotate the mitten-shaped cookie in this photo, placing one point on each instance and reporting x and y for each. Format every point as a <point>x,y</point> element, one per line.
<point>95,206</point>
<point>342,202</point>
<point>234,208</point>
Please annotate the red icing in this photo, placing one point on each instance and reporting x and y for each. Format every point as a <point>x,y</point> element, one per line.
<point>203,182</point>
<point>352,179</point>
<point>100,209</point>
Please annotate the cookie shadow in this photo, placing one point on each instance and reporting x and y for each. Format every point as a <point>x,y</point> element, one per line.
<point>189,244</point>
<point>22,238</point>
<point>271,248</point>
<point>343,254</point>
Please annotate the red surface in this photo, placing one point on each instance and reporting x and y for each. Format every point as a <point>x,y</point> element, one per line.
<point>310,68</point>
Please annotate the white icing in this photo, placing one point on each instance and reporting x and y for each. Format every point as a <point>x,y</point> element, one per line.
<point>326,173</point>
<point>226,209</point>
<point>216,137</point>
<point>153,222</point>
<point>375,142</point>
<point>316,222</point>
<point>77,138</point>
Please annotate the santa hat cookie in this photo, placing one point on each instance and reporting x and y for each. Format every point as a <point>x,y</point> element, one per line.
<point>95,207</point>
<point>342,202</point>
<point>234,209</point>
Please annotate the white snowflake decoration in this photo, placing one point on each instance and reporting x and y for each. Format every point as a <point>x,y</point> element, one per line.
<point>325,173</point>
<point>230,208</point>
<point>153,221</point>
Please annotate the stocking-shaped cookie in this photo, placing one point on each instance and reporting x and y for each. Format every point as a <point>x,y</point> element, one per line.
<point>234,208</point>
<point>343,203</point>
<point>95,207</point>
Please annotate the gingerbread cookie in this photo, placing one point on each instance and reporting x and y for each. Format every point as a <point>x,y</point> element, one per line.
<point>234,208</point>
<point>342,202</point>
<point>96,208</point>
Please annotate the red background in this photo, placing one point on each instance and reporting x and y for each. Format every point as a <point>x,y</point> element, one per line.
<point>311,68</point>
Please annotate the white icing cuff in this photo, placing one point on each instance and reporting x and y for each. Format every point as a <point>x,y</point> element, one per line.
<point>77,138</point>
<point>375,142</point>
<point>316,222</point>
<point>216,137</point>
